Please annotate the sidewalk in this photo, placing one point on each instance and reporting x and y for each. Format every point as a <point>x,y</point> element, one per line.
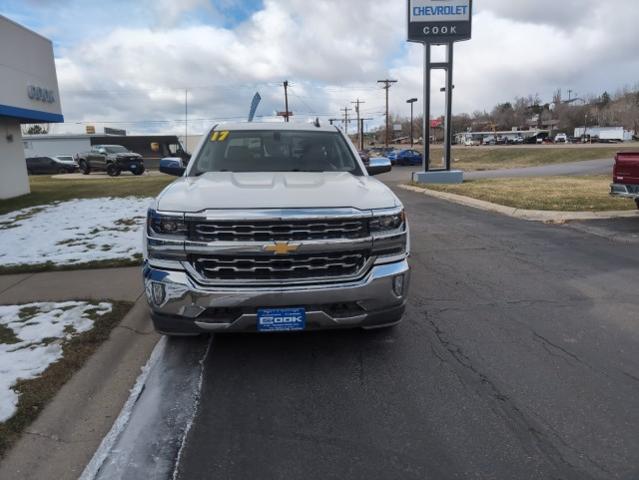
<point>123,284</point>
<point>62,440</point>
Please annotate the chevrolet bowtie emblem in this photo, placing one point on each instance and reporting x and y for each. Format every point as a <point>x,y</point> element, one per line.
<point>282,248</point>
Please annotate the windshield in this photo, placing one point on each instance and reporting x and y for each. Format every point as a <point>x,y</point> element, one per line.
<point>64,158</point>
<point>275,151</point>
<point>116,149</point>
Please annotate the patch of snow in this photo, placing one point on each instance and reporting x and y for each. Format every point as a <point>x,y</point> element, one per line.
<point>73,232</point>
<point>40,329</point>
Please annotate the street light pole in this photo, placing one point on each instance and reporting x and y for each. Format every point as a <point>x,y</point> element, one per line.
<point>411,101</point>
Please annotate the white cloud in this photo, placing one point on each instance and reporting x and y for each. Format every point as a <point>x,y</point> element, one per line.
<point>335,51</point>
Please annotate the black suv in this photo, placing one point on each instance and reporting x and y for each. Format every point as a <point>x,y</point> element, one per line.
<point>112,159</point>
<point>49,165</point>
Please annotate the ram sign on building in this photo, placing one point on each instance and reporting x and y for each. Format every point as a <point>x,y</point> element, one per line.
<point>28,94</point>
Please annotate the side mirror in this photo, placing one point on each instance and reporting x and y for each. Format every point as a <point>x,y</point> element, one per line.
<point>172,166</point>
<point>379,165</point>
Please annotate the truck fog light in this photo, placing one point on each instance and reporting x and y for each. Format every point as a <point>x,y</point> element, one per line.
<point>158,293</point>
<point>398,285</point>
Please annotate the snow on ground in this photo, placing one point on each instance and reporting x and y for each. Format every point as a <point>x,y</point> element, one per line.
<point>77,231</point>
<point>39,330</point>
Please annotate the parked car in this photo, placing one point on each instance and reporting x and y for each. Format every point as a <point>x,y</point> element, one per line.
<point>49,165</point>
<point>625,176</point>
<point>364,155</point>
<point>470,142</point>
<point>405,157</point>
<point>489,140</point>
<point>516,140</point>
<point>561,138</point>
<point>275,227</point>
<point>112,159</point>
<point>381,152</point>
<point>66,159</point>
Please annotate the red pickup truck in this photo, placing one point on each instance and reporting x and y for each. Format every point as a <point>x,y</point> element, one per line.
<point>625,176</point>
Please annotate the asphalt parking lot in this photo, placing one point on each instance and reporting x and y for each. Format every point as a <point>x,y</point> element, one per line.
<point>516,359</point>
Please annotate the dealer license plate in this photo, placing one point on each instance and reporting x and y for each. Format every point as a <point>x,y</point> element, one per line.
<point>281,319</point>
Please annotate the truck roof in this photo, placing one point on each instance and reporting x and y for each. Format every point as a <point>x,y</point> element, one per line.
<point>282,126</point>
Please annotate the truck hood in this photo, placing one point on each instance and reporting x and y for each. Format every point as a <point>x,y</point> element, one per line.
<point>227,190</point>
<point>128,155</point>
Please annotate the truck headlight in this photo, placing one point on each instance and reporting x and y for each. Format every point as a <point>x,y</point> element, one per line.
<point>166,224</point>
<point>385,223</point>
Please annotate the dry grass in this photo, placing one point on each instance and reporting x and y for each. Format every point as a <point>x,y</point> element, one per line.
<point>570,194</point>
<point>45,190</point>
<point>35,393</point>
<point>488,158</point>
<point>136,261</point>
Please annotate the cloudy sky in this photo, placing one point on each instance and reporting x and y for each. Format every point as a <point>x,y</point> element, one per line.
<point>129,63</point>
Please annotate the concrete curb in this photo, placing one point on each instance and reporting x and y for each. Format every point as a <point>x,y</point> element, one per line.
<point>62,440</point>
<point>544,216</point>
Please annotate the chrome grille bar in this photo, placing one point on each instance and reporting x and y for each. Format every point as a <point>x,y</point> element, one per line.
<point>278,231</point>
<point>293,267</point>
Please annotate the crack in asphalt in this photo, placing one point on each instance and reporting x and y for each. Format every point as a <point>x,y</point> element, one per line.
<point>139,332</point>
<point>522,426</point>
<point>53,438</point>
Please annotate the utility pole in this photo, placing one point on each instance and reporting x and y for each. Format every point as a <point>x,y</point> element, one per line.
<point>286,114</point>
<point>411,101</point>
<point>361,129</point>
<point>186,120</point>
<point>569,95</point>
<point>346,119</point>
<point>360,135</point>
<point>387,84</point>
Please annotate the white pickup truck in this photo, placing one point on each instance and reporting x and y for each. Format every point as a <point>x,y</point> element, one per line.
<point>275,227</point>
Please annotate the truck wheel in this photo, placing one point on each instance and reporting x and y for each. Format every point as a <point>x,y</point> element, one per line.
<point>637,202</point>
<point>84,167</point>
<point>139,171</point>
<point>112,170</point>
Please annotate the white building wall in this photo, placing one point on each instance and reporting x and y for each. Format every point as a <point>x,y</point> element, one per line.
<point>14,180</point>
<point>26,59</point>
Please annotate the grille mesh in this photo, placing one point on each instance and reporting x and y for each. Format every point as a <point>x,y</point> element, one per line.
<point>292,267</point>
<point>265,231</point>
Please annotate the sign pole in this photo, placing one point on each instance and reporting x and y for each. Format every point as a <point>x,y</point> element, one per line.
<point>449,106</point>
<point>426,96</point>
<point>439,22</point>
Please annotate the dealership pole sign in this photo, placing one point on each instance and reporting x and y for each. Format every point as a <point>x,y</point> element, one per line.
<point>439,22</point>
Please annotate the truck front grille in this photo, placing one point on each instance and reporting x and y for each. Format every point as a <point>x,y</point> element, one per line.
<point>331,266</point>
<point>292,230</point>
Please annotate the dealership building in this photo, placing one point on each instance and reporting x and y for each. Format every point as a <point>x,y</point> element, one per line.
<point>28,94</point>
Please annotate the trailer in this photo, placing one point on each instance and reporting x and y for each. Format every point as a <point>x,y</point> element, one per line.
<point>605,134</point>
<point>151,147</point>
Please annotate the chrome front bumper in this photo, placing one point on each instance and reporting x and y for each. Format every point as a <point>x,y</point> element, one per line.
<point>179,305</point>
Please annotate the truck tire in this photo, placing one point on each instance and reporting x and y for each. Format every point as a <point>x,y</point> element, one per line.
<point>139,171</point>
<point>637,202</point>
<point>112,170</point>
<point>84,167</point>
